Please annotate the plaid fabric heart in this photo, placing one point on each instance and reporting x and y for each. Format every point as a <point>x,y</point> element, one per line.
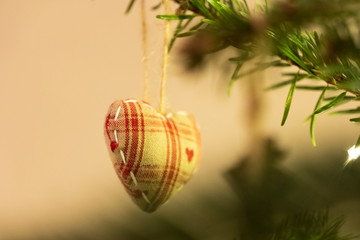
<point>153,155</point>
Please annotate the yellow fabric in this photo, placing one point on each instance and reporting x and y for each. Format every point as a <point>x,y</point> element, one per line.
<point>153,155</point>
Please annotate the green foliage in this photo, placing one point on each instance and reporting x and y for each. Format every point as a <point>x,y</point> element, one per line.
<point>235,75</point>
<point>288,100</point>
<point>355,120</point>
<point>357,142</point>
<point>280,205</point>
<point>309,226</point>
<point>334,102</point>
<point>319,38</point>
<point>175,17</point>
<point>348,111</point>
<point>131,4</point>
<point>312,117</point>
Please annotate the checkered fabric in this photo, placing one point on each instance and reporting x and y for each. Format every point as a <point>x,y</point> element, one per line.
<point>153,155</point>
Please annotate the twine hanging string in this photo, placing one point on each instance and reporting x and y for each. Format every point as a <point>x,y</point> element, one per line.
<point>165,54</point>
<point>165,57</point>
<point>145,50</point>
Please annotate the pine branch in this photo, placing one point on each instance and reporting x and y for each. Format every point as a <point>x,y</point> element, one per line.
<point>318,37</point>
<point>310,225</point>
<point>231,24</point>
<point>280,31</point>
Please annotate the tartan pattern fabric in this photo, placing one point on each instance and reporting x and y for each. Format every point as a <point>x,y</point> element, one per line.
<point>153,155</point>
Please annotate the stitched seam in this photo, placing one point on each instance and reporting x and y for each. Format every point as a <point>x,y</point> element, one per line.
<point>123,156</point>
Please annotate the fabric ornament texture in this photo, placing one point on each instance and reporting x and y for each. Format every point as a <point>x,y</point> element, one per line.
<point>153,155</point>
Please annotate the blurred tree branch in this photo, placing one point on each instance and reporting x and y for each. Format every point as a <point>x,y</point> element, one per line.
<point>320,38</point>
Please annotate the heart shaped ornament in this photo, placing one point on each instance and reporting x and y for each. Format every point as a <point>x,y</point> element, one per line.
<point>153,155</point>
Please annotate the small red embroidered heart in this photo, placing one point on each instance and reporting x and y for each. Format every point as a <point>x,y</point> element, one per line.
<point>153,154</point>
<point>190,154</point>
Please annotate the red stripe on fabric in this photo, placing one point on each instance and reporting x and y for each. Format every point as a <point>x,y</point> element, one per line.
<point>152,166</point>
<point>151,174</point>
<point>134,142</point>
<point>156,130</point>
<point>127,132</point>
<point>197,155</point>
<point>179,159</point>
<point>107,123</point>
<point>142,126</point>
<point>166,166</point>
<point>185,125</point>
<point>154,119</point>
<point>161,199</point>
<point>183,135</point>
<point>186,131</point>
<point>181,181</point>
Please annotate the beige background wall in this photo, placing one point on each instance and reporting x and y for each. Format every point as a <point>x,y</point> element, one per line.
<point>62,62</point>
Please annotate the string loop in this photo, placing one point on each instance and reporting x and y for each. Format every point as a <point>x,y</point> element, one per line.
<point>165,57</point>
<point>165,54</point>
<point>145,50</point>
